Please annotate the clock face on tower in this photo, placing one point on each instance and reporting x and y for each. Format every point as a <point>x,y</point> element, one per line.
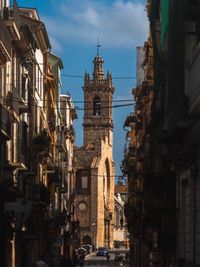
<point>82,206</point>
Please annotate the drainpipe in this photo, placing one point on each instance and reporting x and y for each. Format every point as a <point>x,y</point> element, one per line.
<point>194,176</point>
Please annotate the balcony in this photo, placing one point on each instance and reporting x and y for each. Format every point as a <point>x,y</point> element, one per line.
<point>5,44</point>
<point>139,125</point>
<point>193,85</point>
<point>60,147</point>
<point>23,100</point>
<point>134,219</point>
<point>5,123</point>
<point>140,152</point>
<point>129,119</point>
<point>17,165</point>
<point>4,55</point>
<point>12,100</point>
<point>139,196</point>
<point>23,107</point>
<point>129,164</point>
<point>42,143</point>
<point>192,11</point>
<point>41,194</point>
<point>11,18</point>
<point>52,123</point>
<point>56,177</point>
<point>107,215</point>
<point>70,133</point>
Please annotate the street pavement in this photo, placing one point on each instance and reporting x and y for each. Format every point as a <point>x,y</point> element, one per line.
<point>93,260</point>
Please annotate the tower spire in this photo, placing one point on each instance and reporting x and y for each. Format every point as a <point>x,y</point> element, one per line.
<point>98,73</point>
<point>98,46</point>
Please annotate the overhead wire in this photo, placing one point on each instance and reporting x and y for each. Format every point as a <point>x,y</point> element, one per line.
<point>114,78</point>
<point>75,101</point>
<point>111,176</point>
<point>82,77</point>
<point>15,100</point>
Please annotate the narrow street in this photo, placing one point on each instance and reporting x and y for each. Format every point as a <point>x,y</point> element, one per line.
<point>100,133</point>
<point>93,260</point>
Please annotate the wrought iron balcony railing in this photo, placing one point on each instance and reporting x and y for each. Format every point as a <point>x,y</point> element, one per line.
<point>11,16</point>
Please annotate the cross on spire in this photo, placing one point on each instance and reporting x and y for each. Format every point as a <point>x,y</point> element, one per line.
<point>98,46</point>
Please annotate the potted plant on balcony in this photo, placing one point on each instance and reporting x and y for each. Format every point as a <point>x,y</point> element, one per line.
<point>41,193</point>
<point>42,143</point>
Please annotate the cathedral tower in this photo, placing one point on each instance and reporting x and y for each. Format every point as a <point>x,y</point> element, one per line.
<point>98,95</point>
<point>94,161</point>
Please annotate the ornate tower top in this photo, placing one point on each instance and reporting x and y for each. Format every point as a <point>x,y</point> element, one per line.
<point>98,94</point>
<point>98,73</point>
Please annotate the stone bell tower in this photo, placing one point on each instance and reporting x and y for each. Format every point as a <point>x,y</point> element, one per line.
<point>98,95</point>
<point>95,165</point>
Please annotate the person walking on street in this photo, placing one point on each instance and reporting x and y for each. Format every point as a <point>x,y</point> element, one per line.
<point>107,257</point>
<point>81,262</point>
<point>41,263</point>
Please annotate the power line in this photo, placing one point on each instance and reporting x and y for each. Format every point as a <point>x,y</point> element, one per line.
<point>128,77</point>
<point>72,100</point>
<point>72,76</point>
<point>76,101</point>
<point>76,107</point>
<point>125,100</point>
<point>111,176</point>
<point>15,99</point>
<point>114,78</point>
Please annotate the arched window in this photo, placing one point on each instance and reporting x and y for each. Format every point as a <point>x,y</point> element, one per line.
<point>96,106</point>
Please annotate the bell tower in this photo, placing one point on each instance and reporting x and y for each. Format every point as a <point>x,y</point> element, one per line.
<point>95,165</point>
<point>98,95</point>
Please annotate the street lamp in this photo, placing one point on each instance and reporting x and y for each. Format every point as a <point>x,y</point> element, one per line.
<point>23,227</point>
<point>94,235</point>
<point>109,219</point>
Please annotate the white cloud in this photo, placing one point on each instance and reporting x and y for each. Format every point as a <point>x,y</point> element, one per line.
<point>56,45</point>
<point>117,24</point>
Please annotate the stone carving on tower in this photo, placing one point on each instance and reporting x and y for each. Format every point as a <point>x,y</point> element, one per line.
<point>95,165</point>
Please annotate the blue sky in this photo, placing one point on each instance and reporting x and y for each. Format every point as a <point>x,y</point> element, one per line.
<point>73,27</point>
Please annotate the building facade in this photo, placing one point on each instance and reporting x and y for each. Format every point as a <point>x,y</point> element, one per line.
<point>121,235</point>
<point>166,154</point>
<point>36,156</point>
<point>136,160</point>
<point>95,166</point>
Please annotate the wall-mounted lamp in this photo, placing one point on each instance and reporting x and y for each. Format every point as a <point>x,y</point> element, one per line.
<point>187,159</point>
<point>23,227</point>
<point>68,227</point>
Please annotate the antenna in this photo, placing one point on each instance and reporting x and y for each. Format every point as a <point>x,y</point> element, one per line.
<point>98,46</point>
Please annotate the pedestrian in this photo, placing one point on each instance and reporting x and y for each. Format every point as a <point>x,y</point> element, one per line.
<point>107,257</point>
<point>63,261</point>
<point>75,259</point>
<point>41,262</point>
<point>126,257</point>
<point>172,262</point>
<point>81,262</point>
<point>115,260</point>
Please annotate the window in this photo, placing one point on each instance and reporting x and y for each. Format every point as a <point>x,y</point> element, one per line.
<point>14,69</point>
<point>84,182</point>
<point>24,83</point>
<point>96,106</point>
<point>2,81</point>
<point>18,76</point>
<point>82,206</point>
<point>24,138</point>
<point>39,79</point>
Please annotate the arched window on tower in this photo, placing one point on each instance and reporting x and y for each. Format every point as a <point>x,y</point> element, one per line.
<point>96,106</point>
